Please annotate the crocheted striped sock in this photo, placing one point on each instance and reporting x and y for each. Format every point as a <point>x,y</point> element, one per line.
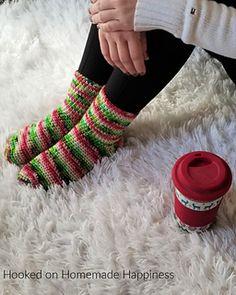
<point>99,133</point>
<point>30,141</point>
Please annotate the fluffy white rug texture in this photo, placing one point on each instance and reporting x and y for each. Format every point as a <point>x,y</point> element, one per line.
<point>119,217</point>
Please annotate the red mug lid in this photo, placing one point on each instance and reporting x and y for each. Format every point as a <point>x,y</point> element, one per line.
<point>202,176</point>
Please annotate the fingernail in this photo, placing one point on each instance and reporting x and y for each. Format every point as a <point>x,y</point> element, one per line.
<point>135,75</point>
<point>147,58</point>
<point>142,74</point>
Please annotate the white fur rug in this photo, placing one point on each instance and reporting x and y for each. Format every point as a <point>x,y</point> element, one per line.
<point>120,216</point>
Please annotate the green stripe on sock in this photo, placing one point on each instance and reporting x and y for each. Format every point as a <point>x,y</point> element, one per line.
<point>103,128</point>
<point>51,128</point>
<point>79,97</point>
<point>85,88</point>
<point>77,152</point>
<point>34,139</point>
<point>55,155</point>
<point>35,165</point>
<point>88,133</point>
<point>66,119</point>
<point>109,114</point>
<point>13,142</point>
<point>74,107</point>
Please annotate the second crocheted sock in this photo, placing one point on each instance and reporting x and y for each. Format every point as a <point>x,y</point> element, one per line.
<point>99,133</point>
<point>30,141</point>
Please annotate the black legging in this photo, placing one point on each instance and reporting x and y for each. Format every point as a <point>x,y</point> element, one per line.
<point>167,55</point>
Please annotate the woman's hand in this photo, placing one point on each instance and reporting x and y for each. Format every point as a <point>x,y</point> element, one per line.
<point>125,50</point>
<point>113,15</point>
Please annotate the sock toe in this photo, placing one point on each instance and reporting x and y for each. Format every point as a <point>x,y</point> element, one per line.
<point>9,149</point>
<point>28,176</point>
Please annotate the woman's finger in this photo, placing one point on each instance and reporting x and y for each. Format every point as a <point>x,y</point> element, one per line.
<point>144,44</point>
<point>97,6</point>
<point>113,26</point>
<point>136,54</point>
<point>115,56</point>
<point>104,46</point>
<point>102,16</point>
<point>124,56</point>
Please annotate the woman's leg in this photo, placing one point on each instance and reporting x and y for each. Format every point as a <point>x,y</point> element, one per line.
<point>93,72</point>
<point>93,65</point>
<point>100,130</point>
<point>167,55</point>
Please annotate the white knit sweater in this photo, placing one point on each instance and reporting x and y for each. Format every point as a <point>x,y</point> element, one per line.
<point>202,23</point>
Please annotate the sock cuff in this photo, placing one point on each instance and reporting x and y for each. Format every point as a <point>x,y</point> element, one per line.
<point>82,91</point>
<point>120,114</point>
<point>92,85</point>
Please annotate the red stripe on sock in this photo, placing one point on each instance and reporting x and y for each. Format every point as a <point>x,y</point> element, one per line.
<point>59,122</point>
<point>105,121</point>
<point>73,114</point>
<point>77,102</point>
<point>88,148</point>
<point>24,144</point>
<point>29,174</point>
<point>45,139</point>
<point>50,168</point>
<point>74,164</point>
<point>81,92</point>
<point>104,137</point>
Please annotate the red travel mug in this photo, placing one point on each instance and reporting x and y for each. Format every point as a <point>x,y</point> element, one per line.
<point>201,179</point>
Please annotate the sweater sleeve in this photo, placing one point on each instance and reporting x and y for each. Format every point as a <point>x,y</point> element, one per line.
<point>204,23</point>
